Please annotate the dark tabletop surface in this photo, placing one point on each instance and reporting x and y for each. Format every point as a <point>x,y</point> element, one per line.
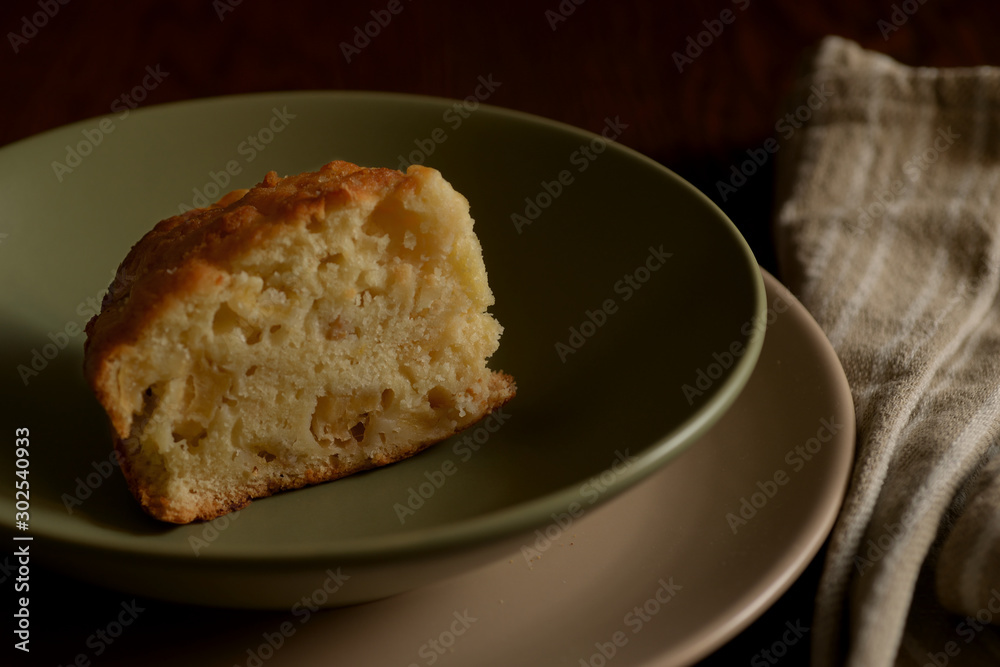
<point>696,108</point>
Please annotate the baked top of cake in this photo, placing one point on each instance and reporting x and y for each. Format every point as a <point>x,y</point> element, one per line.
<point>305,329</point>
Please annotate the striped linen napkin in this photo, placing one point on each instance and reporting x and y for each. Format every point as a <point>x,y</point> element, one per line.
<point>888,230</point>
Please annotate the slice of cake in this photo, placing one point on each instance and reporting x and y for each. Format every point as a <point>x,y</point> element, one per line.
<point>307,329</point>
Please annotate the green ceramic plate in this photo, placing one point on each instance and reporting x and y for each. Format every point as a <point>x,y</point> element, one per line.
<point>632,311</point>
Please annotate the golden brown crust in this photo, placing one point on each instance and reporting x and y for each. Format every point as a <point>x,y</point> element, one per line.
<point>179,254</point>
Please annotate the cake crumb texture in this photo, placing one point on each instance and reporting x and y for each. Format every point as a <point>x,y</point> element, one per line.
<point>306,329</point>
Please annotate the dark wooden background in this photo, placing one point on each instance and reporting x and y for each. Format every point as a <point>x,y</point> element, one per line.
<point>607,58</point>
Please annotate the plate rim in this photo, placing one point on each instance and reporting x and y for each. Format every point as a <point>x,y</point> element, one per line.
<point>808,543</point>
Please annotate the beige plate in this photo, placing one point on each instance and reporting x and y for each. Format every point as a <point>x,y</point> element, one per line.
<point>577,593</point>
